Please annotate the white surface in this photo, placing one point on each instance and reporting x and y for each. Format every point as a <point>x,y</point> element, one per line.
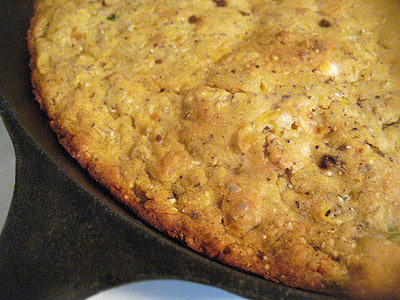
<point>165,290</point>
<point>148,290</point>
<point>7,172</point>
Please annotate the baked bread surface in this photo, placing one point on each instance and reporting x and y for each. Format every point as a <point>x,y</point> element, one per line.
<point>264,134</point>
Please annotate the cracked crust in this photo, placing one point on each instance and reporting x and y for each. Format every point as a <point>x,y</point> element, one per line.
<point>262,133</point>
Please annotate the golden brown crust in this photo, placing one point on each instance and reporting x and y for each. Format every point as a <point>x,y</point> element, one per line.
<point>262,133</point>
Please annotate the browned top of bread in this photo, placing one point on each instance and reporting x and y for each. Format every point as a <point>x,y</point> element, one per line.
<point>264,134</point>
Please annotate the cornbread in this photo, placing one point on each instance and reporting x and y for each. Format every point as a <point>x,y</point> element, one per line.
<point>264,134</point>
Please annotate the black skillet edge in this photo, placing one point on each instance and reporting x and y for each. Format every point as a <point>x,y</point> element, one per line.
<point>64,238</point>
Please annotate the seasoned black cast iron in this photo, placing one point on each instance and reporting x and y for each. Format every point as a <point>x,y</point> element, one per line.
<point>65,237</point>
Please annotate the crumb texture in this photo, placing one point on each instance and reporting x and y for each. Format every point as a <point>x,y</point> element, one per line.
<point>264,134</point>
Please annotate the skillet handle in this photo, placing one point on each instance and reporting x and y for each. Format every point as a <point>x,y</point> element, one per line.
<point>60,242</point>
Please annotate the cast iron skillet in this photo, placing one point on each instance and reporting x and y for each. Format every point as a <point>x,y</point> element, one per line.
<point>65,237</point>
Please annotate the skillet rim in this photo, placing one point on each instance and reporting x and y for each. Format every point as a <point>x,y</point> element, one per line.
<point>30,133</point>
